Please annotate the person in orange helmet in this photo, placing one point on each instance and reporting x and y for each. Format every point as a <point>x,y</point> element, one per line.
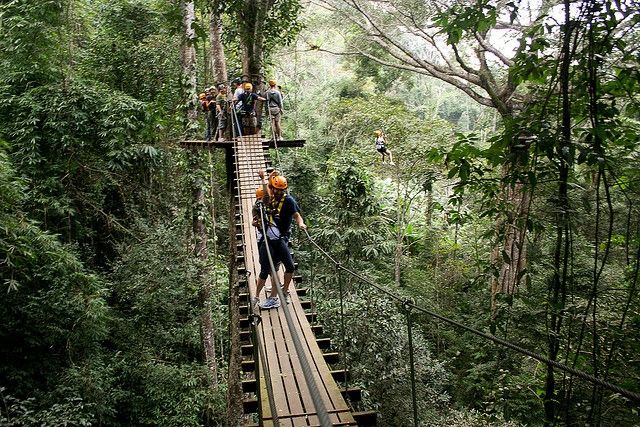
<point>262,200</point>
<point>281,211</point>
<point>248,110</point>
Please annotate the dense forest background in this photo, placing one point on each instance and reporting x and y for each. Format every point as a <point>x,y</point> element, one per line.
<point>514,128</point>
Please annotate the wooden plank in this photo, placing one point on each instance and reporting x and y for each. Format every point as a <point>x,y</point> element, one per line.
<point>293,401</point>
<point>332,389</point>
<point>288,369</point>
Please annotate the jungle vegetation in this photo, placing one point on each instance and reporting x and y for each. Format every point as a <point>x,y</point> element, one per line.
<point>515,131</point>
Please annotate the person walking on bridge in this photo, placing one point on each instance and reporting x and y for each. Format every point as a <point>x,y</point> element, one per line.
<point>281,211</point>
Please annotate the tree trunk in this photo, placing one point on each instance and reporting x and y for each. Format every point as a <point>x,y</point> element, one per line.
<point>509,256</point>
<point>218,60</point>
<point>207,329</point>
<point>188,58</point>
<point>558,285</point>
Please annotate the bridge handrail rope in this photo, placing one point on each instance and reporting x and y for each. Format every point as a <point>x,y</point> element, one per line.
<point>408,304</point>
<point>323,415</point>
<point>256,318</point>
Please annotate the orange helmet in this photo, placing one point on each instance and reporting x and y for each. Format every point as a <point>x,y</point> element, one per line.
<point>279,182</point>
<point>202,96</point>
<point>259,192</point>
<point>247,86</point>
<point>272,82</point>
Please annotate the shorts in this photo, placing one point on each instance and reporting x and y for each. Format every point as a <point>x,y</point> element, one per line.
<point>249,121</point>
<point>274,112</point>
<point>222,121</point>
<point>382,150</point>
<point>279,253</point>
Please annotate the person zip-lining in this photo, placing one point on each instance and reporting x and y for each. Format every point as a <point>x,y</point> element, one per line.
<point>380,147</point>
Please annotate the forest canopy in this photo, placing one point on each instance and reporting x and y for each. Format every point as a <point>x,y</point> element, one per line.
<point>508,206</point>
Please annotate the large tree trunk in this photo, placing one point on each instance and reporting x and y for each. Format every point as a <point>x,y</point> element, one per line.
<point>218,60</point>
<point>188,57</point>
<point>509,256</point>
<point>207,330</point>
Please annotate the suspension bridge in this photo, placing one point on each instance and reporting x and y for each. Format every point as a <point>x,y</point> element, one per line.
<point>287,365</point>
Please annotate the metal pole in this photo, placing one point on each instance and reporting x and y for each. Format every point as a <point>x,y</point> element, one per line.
<point>412,367</point>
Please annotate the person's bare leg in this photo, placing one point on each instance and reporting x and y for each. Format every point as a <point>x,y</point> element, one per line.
<point>259,285</point>
<point>287,282</point>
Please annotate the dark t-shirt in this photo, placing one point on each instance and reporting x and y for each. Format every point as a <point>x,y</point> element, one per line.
<point>248,101</point>
<point>284,219</point>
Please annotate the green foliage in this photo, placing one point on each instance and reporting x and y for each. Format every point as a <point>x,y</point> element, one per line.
<point>377,353</point>
<point>31,42</point>
<point>462,20</point>
<point>72,141</point>
<point>52,305</point>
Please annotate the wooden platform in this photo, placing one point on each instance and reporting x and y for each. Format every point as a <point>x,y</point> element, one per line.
<point>293,400</point>
<point>204,144</point>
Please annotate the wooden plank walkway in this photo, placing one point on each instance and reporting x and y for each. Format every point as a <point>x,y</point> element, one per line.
<point>293,401</point>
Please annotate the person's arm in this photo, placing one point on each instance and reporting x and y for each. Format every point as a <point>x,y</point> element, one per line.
<point>299,221</point>
<point>264,181</point>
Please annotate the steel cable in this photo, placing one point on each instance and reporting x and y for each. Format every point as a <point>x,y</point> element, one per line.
<point>408,304</point>
<point>321,410</point>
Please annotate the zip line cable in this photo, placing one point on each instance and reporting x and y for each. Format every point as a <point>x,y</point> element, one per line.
<point>323,415</point>
<point>407,303</point>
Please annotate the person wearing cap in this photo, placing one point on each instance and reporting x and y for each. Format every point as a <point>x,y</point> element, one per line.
<point>274,104</point>
<point>221,111</point>
<point>248,109</point>
<point>211,116</point>
<point>380,147</point>
<point>281,210</point>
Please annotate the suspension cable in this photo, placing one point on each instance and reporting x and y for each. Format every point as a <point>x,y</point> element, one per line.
<point>584,375</point>
<point>321,410</point>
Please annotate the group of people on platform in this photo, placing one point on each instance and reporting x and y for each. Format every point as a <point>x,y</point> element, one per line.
<point>240,111</point>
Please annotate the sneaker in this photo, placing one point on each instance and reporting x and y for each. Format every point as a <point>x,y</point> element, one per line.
<point>287,298</point>
<point>267,288</point>
<point>270,303</point>
<point>392,164</point>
